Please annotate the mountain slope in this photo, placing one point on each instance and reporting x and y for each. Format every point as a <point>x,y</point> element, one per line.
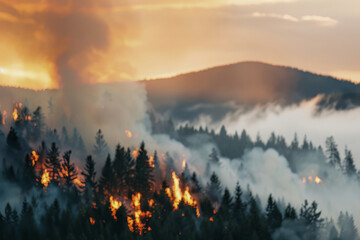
<point>247,83</point>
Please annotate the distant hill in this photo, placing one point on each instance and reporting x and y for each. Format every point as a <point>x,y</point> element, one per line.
<point>247,83</point>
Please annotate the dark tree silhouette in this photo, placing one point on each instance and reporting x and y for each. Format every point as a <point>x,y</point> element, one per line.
<point>143,174</point>
<point>13,140</point>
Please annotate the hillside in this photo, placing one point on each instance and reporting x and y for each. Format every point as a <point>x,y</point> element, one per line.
<point>247,83</point>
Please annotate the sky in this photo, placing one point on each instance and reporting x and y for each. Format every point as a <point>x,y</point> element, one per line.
<point>49,44</point>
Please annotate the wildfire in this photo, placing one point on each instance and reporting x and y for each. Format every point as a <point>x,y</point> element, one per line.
<point>128,133</point>
<point>138,215</point>
<point>34,157</point>
<point>176,195</point>
<point>312,179</point>
<point>114,206</point>
<point>45,178</point>
<point>92,221</point>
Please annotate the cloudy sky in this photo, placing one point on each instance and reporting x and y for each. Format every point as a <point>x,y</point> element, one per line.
<point>48,43</point>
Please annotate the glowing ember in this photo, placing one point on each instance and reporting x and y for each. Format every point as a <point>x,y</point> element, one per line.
<point>34,157</point>
<point>184,163</point>
<point>128,133</point>
<point>318,180</point>
<point>151,202</point>
<point>152,161</point>
<point>45,178</point>
<point>4,115</point>
<point>114,206</point>
<point>211,219</point>
<point>92,221</point>
<point>135,153</point>
<point>15,114</point>
<point>312,179</point>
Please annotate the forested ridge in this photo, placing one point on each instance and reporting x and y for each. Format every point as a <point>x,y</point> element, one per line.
<point>141,194</point>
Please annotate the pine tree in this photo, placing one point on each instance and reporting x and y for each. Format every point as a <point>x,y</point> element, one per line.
<point>223,133</point>
<point>310,216</point>
<point>120,167</point>
<point>53,162</point>
<point>349,166</point>
<point>271,143</point>
<point>226,205</point>
<point>89,181</point>
<point>332,152</point>
<point>238,206</point>
<point>347,227</point>
<point>259,143</point>
<point>290,212</point>
<point>29,175</point>
<point>196,187</point>
<point>27,222</point>
<point>68,170</point>
<point>144,180</point>
<point>274,217</point>
<point>107,178</point>
<point>214,188</point>
<point>38,123</point>
<point>100,147</point>
<point>13,140</point>
<point>305,145</point>
<point>130,171</point>
<point>295,143</point>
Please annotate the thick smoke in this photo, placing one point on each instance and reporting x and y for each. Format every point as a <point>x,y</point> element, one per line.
<point>302,119</point>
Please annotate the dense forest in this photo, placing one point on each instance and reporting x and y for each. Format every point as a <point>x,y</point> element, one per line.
<point>141,194</point>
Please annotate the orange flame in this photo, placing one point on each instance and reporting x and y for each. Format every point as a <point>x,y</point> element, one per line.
<point>135,153</point>
<point>92,221</point>
<point>152,161</point>
<point>151,202</point>
<point>128,133</point>
<point>312,179</point>
<point>15,114</point>
<point>176,191</point>
<point>318,180</point>
<point>176,196</point>
<point>78,182</point>
<point>138,215</point>
<point>45,178</point>
<point>114,206</point>
<point>34,157</point>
